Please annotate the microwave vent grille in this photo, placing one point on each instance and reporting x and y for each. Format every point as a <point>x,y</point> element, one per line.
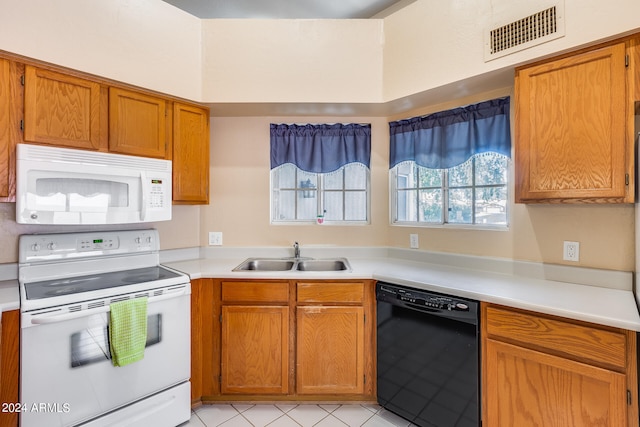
<point>38,153</point>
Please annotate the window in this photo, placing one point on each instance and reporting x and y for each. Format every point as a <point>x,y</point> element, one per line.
<point>300,196</point>
<point>320,173</point>
<point>472,193</point>
<point>451,167</point>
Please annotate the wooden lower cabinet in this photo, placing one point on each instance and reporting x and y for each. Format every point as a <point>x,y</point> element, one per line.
<point>330,350</point>
<point>255,349</point>
<point>282,340</point>
<point>541,370</point>
<point>9,365</point>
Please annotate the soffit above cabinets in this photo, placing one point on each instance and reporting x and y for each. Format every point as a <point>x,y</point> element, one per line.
<point>287,9</point>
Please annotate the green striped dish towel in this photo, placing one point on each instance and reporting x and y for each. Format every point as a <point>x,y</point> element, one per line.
<point>128,330</point>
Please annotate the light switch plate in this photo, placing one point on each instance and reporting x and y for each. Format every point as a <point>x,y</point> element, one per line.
<point>414,243</point>
<point>215,238</point>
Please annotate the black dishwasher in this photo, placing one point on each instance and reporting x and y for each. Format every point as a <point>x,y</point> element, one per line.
<point>428,356</point>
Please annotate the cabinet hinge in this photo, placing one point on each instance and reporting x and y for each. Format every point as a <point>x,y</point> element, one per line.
<point>220,379</point>
<point>221,318</point>
<point>22,80</point>
<point>21,124</point>
<point>626,60</point>
<point>629,397</point>
<point>626,179</point>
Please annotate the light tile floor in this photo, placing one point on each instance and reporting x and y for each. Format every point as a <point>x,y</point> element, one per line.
<point>294,415</point>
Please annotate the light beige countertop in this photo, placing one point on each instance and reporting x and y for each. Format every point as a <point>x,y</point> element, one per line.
<point>597,296</point>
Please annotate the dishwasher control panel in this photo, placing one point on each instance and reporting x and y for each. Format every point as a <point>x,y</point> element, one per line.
<point>426,301</point>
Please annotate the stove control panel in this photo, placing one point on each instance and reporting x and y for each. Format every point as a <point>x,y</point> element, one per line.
<point>36,248</point>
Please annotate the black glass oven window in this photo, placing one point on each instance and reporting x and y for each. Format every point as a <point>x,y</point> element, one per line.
<point>74,285</point>
<point>91,345</point>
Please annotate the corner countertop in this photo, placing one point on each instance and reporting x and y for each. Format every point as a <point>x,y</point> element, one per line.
<point>609,300</point>
<point>9,295</point>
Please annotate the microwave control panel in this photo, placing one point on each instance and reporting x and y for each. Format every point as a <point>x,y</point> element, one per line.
<point>157,192</point>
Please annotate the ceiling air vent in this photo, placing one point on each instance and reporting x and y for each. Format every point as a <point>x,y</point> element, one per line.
<point>532,30</point>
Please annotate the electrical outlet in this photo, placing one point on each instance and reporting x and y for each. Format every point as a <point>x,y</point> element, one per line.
<point>413,241</point>
<point>571,251</point>
<point>215,238</point>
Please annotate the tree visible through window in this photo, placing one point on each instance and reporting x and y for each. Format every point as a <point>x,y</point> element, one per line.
<point>474,192</point>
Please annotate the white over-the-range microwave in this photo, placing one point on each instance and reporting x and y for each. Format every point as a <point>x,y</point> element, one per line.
<point>67,186</point>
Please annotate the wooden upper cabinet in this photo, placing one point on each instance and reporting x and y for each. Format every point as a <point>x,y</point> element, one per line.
<point>61,109</point>
<point>572,142</point>
<point>137,124</point>
<point>190,154</point>
<point>5,140</point>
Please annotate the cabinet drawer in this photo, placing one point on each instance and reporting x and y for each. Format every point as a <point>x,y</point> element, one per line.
<point>581,342</point>
<point>255,291</point>
<point>320,292</point>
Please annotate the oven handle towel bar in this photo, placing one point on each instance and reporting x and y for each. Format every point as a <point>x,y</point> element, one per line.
<point>45,320</point>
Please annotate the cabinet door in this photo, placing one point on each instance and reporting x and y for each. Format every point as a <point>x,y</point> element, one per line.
<point>137,124</point>
<point>61,110</point>
<point>255,350</point>
<point>529,388</point>
<point>5,159</point>
<point>9,364</point>
<point>190,154</point>
<point>570,129</point>
<point>330,350</point>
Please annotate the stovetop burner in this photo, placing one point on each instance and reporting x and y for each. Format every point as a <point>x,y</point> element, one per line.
<point>76,285</point>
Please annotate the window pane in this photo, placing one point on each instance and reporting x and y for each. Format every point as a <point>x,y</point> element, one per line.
<point>407,210</point>
<point>431,206</point>
<point>461,175</point>
<point>491,169</point>
<point>284,203</point>
<point>491,206</point>
<point>356,176</point>
<point>333,206</point>
<point>430,177</point>
<point>406,175</point>
<point>460,201</point>
<point>307,179</point>
<point>307,207</point>
<point>284,176</point>
<point>334,180</point>
<point>355,206</point>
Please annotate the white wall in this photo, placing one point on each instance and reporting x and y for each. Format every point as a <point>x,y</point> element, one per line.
<point>147,43</point>
<point>432,43</point>
<point>292,60</point>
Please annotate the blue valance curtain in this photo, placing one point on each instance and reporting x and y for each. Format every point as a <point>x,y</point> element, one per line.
<point>320,148</point>
<point>449,138</point>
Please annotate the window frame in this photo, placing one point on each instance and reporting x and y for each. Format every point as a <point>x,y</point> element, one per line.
<point>320,191</point>
<point>444,187</point>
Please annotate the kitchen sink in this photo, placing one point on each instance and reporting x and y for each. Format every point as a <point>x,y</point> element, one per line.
<point>338,264</point>
<point>265,264</point>
<point>293,264</point>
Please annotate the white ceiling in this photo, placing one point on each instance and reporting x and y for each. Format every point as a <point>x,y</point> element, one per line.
<point>287,9</point>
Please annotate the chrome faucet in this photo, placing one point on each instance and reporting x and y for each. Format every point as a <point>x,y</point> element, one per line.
<point>296,250</point>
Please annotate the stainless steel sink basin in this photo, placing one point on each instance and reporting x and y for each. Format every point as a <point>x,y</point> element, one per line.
<point>337,264</point>
<point>293,264</point>
<point>265,264</point>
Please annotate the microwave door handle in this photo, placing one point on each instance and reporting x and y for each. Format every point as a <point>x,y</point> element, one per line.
<point>143,196</point>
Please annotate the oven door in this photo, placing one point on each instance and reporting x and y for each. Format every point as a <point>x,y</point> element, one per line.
<point>67,374</point>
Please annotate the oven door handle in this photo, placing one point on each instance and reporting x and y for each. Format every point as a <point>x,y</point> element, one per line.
<point>45,320</point>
